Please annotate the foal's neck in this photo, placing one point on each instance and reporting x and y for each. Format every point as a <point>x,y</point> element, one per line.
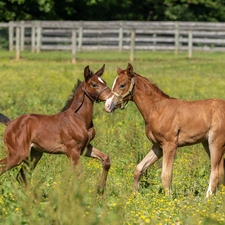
<point>147,95</point>
<point>82,106</point>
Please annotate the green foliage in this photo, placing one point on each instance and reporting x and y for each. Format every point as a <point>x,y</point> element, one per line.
<point>26,10</point>
<point>4,42</point>
<point>41,83</point>
<point>148,10</point>
<point>197,10</point>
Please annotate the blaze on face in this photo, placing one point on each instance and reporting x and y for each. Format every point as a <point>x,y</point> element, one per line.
<point>121,89</point>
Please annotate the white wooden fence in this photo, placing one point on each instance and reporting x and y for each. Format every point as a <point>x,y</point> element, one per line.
<point>115,35</point>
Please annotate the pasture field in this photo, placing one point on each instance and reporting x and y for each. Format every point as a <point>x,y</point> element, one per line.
<point>41,83</point>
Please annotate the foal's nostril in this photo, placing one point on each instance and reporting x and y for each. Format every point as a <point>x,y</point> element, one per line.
<point>109,105</point>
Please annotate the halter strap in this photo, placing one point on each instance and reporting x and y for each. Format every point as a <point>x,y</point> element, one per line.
<point>129,92</point>
<point>93,97</point>
<point>100,93</point>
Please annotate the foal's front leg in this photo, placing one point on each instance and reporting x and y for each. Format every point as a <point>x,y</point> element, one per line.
<point>154,154</point>
<point>169,151</point>
<point>91,134</point>
<point>104,158</point>
<point>74,156</point>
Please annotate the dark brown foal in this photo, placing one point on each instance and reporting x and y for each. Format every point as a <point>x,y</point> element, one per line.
<point>68,132</point>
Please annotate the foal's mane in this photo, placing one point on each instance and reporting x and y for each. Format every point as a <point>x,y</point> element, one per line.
<point>157,89</point>
<point>70,98</point>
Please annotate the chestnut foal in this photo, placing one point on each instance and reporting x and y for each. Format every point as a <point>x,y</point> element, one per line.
<point>172,123</point>
<point>68,132</point>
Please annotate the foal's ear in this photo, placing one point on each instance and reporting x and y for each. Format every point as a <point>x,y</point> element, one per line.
<point>130,70</point>
<point>118,70</point>
<point>87,73</point>
<point>101,71</point>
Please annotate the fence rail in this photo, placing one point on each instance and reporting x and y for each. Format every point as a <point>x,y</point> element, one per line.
<point>116,35</point>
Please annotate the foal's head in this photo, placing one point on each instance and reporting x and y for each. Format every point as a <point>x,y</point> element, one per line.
<point>94,86</point>
<point>121,90</point>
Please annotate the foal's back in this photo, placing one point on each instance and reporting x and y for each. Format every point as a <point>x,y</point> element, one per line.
<point>32,129</point>
<point>192,121</point>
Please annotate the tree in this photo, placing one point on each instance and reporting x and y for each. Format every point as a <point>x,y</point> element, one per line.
<point>148,10</point>
<point>195,10</point>
<point>26,9</point>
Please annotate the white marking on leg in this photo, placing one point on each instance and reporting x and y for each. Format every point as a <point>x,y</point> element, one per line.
<point>148,160</point>
<point>209,191</point>
<point>144,164</point>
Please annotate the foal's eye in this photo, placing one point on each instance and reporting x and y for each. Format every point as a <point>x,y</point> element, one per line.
<point>94,85</point>
<point>122,86</point>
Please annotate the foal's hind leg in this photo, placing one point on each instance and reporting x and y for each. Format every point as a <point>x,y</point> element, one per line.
<point>217,170</point>
<point>154,154</point>
<point>224,171</point>
<point>3,165</point>
<point>29,163</point>
<point>104,158</point>
<point>206,147</point>
<point>14,158</point>
<point>217,175</point>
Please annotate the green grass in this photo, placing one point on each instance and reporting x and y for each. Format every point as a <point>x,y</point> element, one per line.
<point>41,83</point>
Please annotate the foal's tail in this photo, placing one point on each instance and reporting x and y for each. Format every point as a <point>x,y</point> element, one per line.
<point>4,119</point>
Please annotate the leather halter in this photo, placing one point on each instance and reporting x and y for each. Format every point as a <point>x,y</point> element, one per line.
<point>93,96</point>
<point>129,92</point>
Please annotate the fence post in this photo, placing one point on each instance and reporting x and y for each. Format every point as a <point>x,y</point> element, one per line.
<point>176,37</point>
<point>22,34</point>
<point>80,39</point>
<point>38,37</point>
<point>33,34</point>
<point>190,44</point>
<point>11,36</point>
<point>74,45</point>
<point>132,45</point>
<point>17,43</point>
<point>121,37</point>
<point>154,41</point>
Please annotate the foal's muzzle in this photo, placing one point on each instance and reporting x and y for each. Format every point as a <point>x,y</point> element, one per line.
<point>111,104</point>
